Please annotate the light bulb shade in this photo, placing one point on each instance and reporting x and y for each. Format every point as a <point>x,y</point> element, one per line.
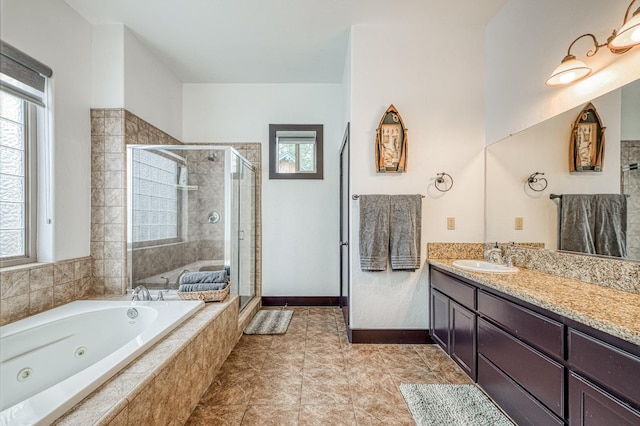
<point>629,34</point>
<point>568,71</point>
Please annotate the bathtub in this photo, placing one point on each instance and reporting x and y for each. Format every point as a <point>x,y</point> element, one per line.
<point>51,361</point>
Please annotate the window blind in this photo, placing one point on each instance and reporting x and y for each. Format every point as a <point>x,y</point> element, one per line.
<point>21,75</point>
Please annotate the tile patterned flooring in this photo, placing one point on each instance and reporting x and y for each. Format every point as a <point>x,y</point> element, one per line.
<point>312,375</point>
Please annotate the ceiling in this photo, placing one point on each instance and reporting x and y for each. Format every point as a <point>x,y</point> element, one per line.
<point>265,41</point>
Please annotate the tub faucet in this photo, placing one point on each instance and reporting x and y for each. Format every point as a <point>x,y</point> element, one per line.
<point>141,289</point>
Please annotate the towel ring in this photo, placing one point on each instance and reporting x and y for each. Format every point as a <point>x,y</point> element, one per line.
<point>441,182</point>
<point>534,179</point>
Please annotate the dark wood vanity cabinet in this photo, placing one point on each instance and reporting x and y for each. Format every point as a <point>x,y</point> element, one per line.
<point>453,319</point>
<point>540,368</point>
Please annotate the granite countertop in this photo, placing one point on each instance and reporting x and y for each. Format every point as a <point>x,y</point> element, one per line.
<point>612,311</point>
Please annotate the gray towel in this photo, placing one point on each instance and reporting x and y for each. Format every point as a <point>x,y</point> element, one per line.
<point>611,224</point>
<point>594,224</point>
<point>374,232</point>
<point>204,277</point>
<point>201,287</point>
<point>404,233</point>
<point>577,223</point>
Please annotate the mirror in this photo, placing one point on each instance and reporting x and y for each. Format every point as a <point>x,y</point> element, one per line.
<point>511,203</point>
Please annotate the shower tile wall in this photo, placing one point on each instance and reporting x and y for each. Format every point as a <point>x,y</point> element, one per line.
<point>630,153</point>
<point>208,238</point>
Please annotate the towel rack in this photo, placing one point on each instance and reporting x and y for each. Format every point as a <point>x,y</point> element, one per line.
<point>554,196</point>
<point>356,196</point>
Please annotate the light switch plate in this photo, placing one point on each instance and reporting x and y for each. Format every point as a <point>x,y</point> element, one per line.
<point>519,223</point>
<point>451,223</point>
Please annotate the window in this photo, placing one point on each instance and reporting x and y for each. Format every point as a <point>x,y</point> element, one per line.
<point>295,151</point>
<point>155,197</point>
<point>17,180</point>
<point>23,82</point>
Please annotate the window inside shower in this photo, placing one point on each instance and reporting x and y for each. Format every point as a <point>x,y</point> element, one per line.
<point>190,208</point>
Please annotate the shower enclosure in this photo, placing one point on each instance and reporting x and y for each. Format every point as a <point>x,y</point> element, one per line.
<point>190,208</point>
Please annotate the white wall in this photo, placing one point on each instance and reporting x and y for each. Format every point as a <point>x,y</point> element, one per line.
<point>631,111</point>
<point>300,217</point>
<point>525,42</point>
<point>441,103</point>
<point>107,50</point>
<point>151,90</point>
<point>56,35</point>
<point>126,74</point>
<point>545,148</point>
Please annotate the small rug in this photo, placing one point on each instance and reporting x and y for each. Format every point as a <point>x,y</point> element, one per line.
<point>459,405</point>
<point>269,321</point>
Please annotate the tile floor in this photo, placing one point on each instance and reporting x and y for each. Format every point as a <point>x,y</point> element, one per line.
<point>312,375</point>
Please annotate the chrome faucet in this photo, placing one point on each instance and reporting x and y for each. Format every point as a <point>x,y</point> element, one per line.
<point>494,255</point>
<point>507,260</point>
<point>138,290</point>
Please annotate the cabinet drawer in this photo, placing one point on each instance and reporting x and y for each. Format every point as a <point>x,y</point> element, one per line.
<point>615,369</point>
<point>518,404</point>
<point>457,290</point>
<point>540,375</point>
<point>591,405</point>
<point>523,323</point>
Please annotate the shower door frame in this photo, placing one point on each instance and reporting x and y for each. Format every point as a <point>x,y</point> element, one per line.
<point>345,226</point>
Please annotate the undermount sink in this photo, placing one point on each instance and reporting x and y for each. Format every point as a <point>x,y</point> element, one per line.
<point>484,266</point>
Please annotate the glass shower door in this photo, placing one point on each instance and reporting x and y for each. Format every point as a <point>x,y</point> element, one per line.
<point>243,232</point>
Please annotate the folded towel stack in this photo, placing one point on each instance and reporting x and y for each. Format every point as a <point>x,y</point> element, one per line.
<point>202,281</point>
<point>201,287</point>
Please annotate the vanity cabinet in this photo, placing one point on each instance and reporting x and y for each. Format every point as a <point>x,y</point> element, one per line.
<point>604,385</point>
<point>540,367</point>
<point>453,319</point>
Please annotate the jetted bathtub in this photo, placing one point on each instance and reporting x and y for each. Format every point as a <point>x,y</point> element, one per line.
<point>51,361</point>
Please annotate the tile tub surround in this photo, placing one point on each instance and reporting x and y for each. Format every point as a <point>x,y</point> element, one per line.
<point>609,310</point>
<point>30,289</point>
<point>604,271</point>
<point>164,385</point>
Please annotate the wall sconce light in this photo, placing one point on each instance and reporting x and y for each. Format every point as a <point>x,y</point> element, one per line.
<point>620,41</point>
<point>629,34</point>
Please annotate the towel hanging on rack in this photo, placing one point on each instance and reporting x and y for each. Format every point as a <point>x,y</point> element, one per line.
<point>594,223</point>
<point>405,228</point>
<point>390,227</point>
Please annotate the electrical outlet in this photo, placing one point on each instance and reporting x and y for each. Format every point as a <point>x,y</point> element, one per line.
<point>519,223</point>
<point>451,223</point>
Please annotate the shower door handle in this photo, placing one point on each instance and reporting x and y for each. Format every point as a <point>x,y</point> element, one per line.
<point>344,243</point>
<point>241,235</point>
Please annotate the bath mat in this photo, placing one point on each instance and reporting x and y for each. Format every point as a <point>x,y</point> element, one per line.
<point>444,404</point>
<point>269,321</point>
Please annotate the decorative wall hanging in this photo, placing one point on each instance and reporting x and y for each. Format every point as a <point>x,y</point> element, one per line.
<point>391,143</point>
<point>587,142</point>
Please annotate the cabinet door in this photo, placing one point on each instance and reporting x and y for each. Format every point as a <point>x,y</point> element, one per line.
<point>591,406</point>
<point>440,319</point>
<point>462,338</point>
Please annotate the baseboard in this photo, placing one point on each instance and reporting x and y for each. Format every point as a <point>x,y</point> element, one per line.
<point>388,336</point>
<point>300,300</point>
